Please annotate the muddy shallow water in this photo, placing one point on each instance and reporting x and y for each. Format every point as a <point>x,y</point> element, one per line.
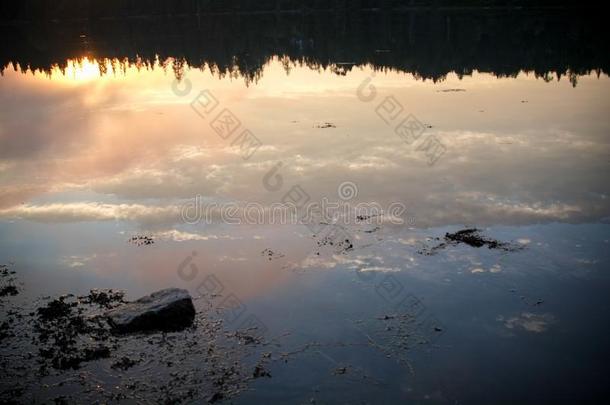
<point>350,232</point>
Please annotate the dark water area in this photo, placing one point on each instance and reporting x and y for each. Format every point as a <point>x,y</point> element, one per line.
<point>369,202</point>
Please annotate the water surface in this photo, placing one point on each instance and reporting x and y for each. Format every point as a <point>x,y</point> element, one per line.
<point>102,144</point>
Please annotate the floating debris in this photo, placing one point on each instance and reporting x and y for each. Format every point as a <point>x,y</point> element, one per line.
<point>530,302</point>
<point>340,371</point>
<point>364,218</point>
<point>271,255</point>
<point>326,125</point>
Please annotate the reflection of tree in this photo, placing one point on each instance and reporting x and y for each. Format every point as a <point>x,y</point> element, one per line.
<point>430,43</point>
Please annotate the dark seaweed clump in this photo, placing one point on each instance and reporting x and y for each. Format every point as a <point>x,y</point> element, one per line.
<point>9,290</point>
<point>55,310</point>
<point>51,344</point>
<point>7,282</point>
<point>66,337</point>
<point>141,240</point>
<point>335,242</point>
<point>47,349</point>
<point>104,298</point>
<point>471,237</point>
<point>5,330</point>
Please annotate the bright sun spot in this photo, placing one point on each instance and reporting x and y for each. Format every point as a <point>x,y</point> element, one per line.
<point>81,70</point>
<point>84,70</point>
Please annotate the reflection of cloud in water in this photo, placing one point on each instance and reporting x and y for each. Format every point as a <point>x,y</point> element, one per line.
<point>180,236</point>
<point>61,146</point>
<point>90,211</point>
<point>530,322</point>
<point>380,269</point>
<point>75,261</point>
<point>496,268</point>
<point>359,262</point>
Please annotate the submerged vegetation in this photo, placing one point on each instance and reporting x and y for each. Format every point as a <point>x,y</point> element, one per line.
<point>66,344</point>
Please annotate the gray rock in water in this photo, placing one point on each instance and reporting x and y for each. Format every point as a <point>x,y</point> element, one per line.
<point>166,310</point>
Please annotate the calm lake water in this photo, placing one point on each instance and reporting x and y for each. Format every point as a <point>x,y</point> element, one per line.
<point>166,169</point>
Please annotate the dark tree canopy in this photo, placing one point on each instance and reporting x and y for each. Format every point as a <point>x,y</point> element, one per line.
<point>426,38</point>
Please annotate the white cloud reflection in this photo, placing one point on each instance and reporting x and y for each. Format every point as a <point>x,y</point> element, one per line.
<point>512,164</point>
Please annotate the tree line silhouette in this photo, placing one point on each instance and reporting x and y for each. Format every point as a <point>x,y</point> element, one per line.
<point>429,42</point>
<point>103,9</point>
